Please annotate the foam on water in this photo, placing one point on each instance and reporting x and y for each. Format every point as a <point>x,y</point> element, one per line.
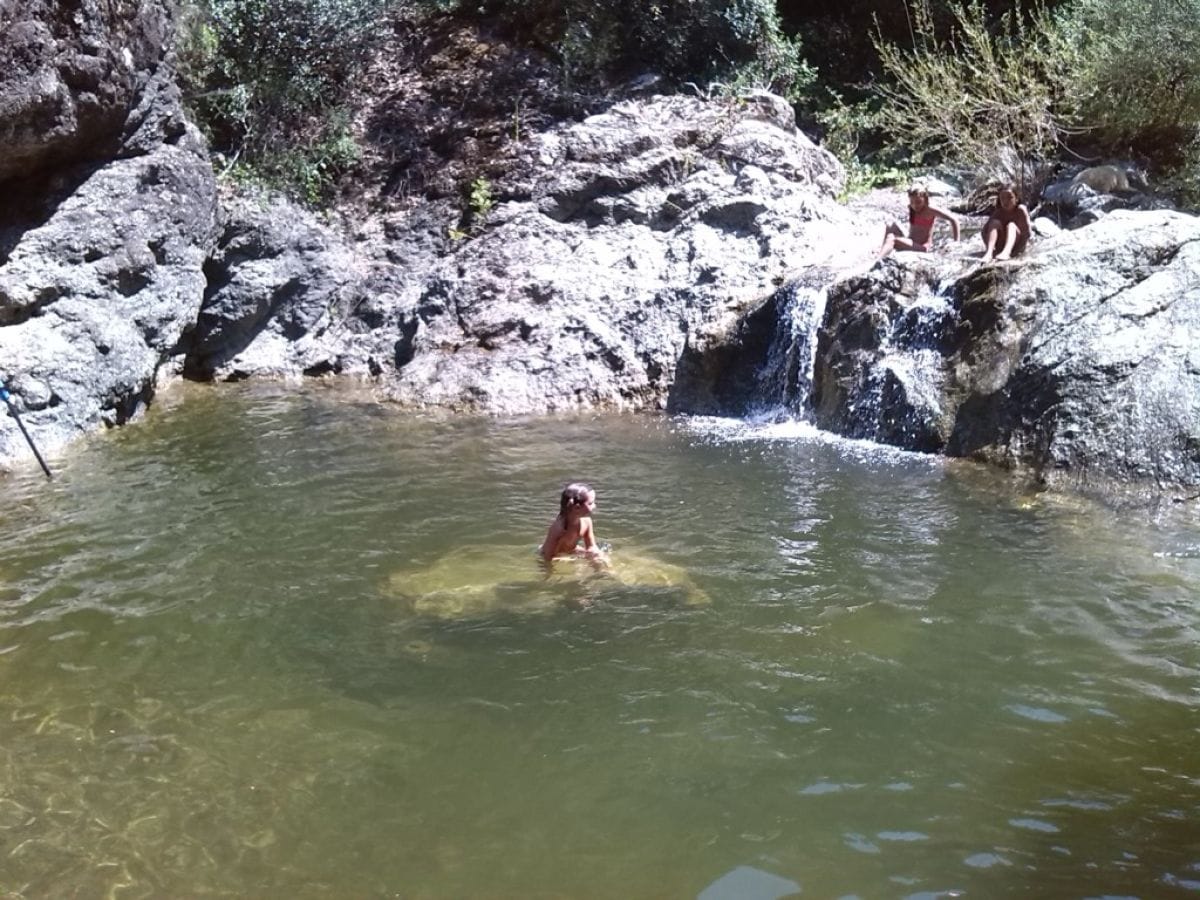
<point>779,425</point>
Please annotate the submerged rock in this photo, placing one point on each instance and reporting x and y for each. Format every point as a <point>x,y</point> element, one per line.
<point>480,580</point>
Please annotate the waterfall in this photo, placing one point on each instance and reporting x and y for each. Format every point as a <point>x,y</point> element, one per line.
<point>786,376</point>
<point>895,393</point>
<point>898,393</point>
<point>808,310</point>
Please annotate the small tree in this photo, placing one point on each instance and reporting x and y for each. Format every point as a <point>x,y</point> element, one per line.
<point>983,96</point>
<point>1135,85</point>
<point>267,79</point>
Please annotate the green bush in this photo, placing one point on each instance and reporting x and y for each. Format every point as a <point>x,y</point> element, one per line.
<point>844,125</point>
<point>777,63</point>
<point>267,80</point>
<point>984,96</point>
<point>1004,96</point>
<point>1135,75</point>
<point>698,40</point>
<point>311,169</point>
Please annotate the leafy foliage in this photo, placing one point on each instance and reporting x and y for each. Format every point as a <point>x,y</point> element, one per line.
<point>478,201</point>
<point>704,40</point>
<point>845,124</point>
<point>266,80</point>
<point>1135,64</point>
<point>983,97</point>
<point>1005,95</point>
<point>993,87</point>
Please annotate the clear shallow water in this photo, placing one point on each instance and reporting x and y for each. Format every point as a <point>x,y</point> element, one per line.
<point>911,679</point>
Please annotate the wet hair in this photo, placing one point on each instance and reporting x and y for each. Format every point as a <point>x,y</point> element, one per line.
<point>574,494</point>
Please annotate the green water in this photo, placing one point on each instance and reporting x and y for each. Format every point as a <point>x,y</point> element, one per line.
<point>907,679</point>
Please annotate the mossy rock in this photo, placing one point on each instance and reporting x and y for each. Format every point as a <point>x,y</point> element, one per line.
<point>479,581</point>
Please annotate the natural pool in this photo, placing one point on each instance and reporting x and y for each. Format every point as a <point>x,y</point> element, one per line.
<point>904,678</point>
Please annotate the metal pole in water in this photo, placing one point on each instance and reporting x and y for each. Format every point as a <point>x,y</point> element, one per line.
<point>12,411</point>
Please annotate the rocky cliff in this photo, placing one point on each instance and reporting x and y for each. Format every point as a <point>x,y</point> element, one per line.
<point>108,214</point>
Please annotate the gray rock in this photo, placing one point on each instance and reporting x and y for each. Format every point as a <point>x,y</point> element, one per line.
<point>626,234</point>
<point>73,73</point>
<point>1096,351</point>
<point>1077,362</point>
<point>277,283</point>
<point>108,218</point>
<point>94,300</point>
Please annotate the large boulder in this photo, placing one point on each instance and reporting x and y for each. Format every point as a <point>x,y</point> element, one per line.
<point>1079,362</point>
<point>95,300</point>
<point>73,74</point>
<point>621,239</point>
<point>102,260</point>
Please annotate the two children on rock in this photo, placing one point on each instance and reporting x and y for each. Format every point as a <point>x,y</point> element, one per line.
<point>1005,233</point>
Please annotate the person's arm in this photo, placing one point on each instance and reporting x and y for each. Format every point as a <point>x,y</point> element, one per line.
<point>551,542</point>
<point>1023,224</point>
<point>588,535</point>
<point>949,217</point>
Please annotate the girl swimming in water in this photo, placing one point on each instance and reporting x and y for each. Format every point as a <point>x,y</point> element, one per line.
<point>571,533</point>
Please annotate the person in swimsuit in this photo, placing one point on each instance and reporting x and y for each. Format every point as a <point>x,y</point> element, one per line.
<point>571,533</point>
<point>922,216</point>
<point>1007,225</point>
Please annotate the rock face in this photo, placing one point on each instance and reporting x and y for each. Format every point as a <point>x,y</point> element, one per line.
<point>277,282</point>
<point>628,236</point>
<point>73,74</point>
<point>670,253</point>
<point>1080,361</point>
<point>107,221</point>
<point>1084,361</point>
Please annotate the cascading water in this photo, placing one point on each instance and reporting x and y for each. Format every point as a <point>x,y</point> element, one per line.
<point>904,387</point>
<point>889,383</point>
<point>786,377</point>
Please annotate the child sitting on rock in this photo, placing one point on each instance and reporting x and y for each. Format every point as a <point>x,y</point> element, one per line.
<point>922,216</point>
<point>571,533</point>
<point>1007,226</point>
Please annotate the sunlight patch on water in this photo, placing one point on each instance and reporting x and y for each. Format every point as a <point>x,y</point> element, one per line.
<point>985,860</point>
<point>1036,714</point>
<point>1034,825</point>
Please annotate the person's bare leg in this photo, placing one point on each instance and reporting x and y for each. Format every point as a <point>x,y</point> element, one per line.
<point>889,240</point>
<point>991,231</point>
<point>1010,238</point>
